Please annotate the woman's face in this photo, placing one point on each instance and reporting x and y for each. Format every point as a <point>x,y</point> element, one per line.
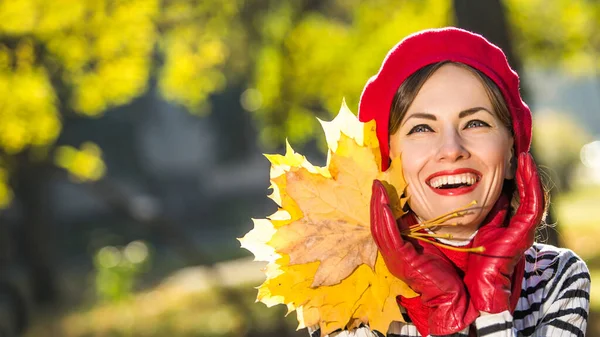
<point>454,149</point>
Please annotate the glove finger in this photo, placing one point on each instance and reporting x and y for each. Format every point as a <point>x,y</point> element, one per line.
<point>383,223</point>
<point>417,312</point>
<point>375,213</point>
<point>390,231</point>
<point>494,223</point>
<point>531,195</point>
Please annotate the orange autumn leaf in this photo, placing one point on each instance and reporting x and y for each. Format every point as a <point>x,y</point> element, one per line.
<point>323,262</point>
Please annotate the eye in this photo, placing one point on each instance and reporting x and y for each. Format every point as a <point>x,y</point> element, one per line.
<point>420,128</point>
<point>476,123</point>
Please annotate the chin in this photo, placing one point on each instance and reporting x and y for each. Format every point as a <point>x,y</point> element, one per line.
<point>473,218</point>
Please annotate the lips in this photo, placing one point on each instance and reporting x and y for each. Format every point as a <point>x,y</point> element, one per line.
<point>450,176</point>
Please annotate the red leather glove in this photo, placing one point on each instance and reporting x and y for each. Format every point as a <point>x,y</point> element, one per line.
<point>488,276</point>
<point>417,312</point>
<point>423,268</point>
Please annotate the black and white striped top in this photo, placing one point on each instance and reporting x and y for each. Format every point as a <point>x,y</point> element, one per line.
<point>554,301</point>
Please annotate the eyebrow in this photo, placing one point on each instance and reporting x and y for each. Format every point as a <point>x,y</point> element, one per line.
<point>471,111</point>
<point>461,114</point>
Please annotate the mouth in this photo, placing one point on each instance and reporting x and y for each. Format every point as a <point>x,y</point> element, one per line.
<point>454,182</point>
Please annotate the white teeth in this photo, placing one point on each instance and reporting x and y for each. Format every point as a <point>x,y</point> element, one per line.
<point>466,178</point>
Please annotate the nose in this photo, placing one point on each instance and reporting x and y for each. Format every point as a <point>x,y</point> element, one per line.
<point>452,147</point>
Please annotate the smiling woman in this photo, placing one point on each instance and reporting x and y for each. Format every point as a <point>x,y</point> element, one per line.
<point>447,102</point>
<point>452,144</point>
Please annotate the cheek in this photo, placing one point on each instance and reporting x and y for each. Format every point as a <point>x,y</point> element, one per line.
<point>497,153</point>
<point>414,156</point>
<point>413,161</point>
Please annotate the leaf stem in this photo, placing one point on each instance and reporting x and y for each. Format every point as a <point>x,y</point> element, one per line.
<point>452,214</point>
<point>426,225</point>
<point>432,235</point>
<point>412,231</point>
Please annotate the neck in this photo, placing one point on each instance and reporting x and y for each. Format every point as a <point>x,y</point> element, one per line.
<point>456,242</point>
<point>456,239</point>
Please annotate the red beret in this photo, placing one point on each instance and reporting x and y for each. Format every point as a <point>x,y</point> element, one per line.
<point>432,46</point>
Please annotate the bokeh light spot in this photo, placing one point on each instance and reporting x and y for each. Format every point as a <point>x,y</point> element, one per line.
<point>109,257</point>
<point>136,252</point>
<point>590,154</point>
<point>251,100</point>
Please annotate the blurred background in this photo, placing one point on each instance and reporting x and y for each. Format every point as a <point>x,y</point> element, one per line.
<point>132,133</point>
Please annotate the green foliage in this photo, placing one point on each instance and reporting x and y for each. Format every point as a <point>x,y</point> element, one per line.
<point>99,49</point>
<point>29,113</point>
<point>118,268</point>
<point>84,57</point>
<point>563,33</point>
<point>84,165</point>
<point>195,43</point>
<point>5,193</point>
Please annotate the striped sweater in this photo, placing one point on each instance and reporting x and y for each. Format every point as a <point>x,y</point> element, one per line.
<point>554,302</point>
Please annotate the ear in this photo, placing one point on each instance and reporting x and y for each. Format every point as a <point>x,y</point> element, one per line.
<point>511,165</point>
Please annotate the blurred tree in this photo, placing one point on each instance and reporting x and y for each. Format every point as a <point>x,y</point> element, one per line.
<point>488,18</point>
<point>563,34</point>
<point>61,60</point>
<point>83,57</point>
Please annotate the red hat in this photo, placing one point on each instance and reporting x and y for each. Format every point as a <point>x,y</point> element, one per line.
<point>432,46</point>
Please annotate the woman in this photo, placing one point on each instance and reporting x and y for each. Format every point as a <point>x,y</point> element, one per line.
<point>448,103</point>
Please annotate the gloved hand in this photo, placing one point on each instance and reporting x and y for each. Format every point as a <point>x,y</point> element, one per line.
<point>424,269</point>
<point>488,275</point>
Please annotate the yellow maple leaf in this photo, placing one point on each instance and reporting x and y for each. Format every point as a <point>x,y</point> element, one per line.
<point>323,262</point>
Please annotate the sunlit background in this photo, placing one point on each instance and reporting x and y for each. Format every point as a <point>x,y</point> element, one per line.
<point>132,133</point>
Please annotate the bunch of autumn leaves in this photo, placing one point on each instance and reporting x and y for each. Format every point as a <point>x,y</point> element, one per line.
<point>322,260</point>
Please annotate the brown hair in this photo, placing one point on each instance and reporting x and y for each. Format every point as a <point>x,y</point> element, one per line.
<point>409,89</point>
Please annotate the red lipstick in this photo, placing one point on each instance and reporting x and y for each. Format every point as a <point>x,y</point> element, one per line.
<point>454,191</point>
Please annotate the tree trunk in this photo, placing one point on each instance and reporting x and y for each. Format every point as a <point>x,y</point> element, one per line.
<point>488,18</point>
<point>36,239</point>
